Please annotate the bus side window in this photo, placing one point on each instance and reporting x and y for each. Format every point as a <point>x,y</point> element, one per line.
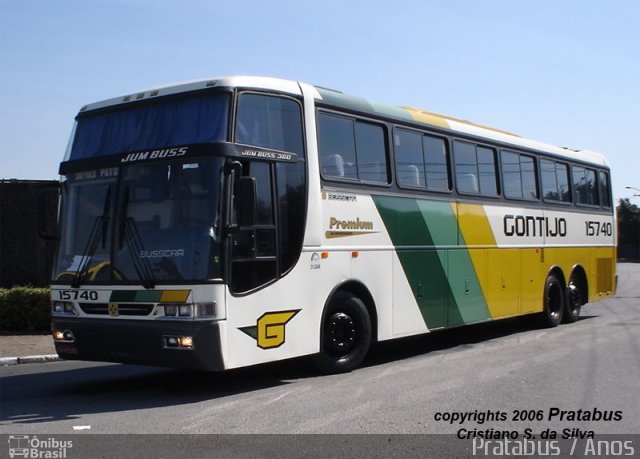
<point>270,121</point>
<point>476,171</point>
<point>466,167</point>
<point>584,185</point>
<point>352,149</point>
<point>436,163</point>
<point>555,181</point>
<point>337,146</point>
<point>409,158</point>
<point>603,185</point>
<point>371,152</point>
<point>562,175</point>
<point>519,176</point>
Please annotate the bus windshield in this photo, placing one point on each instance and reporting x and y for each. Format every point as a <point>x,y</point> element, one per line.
<point>142,223</point>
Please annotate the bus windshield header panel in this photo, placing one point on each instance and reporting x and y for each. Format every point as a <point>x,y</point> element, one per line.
<point>162,124</point>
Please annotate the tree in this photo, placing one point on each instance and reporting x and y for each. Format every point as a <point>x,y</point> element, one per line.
<point>628,230</point>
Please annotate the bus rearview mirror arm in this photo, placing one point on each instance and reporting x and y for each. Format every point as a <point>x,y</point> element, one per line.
<point>241,194</point>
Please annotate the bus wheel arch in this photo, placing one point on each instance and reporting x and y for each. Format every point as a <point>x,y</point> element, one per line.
<point>577,294</point>
<point>347,328</point>
<point>553,298</point>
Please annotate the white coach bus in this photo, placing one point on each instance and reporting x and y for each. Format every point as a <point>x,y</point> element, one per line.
<point>243,220</point>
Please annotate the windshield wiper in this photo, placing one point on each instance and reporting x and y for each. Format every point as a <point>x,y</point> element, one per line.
<point>98,232</point>
<point>134,243</point>
<point>129,234</point>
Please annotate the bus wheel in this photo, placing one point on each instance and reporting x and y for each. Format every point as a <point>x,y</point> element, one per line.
<point>345,335</point>
<point>575,300</point>
<point>553,301</point>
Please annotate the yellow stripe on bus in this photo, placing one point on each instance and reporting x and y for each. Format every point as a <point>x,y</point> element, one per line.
<point>174,296</point>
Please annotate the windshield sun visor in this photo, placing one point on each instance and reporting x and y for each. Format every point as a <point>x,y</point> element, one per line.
<point>158,129</point>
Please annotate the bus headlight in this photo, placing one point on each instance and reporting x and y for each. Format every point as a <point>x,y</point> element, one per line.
<point>171,310</point>
<point>206,310</point>
<point>63,307</point>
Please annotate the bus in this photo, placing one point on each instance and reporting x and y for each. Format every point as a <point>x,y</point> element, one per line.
<point>236,221</point>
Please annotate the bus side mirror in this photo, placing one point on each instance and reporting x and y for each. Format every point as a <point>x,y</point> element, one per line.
<point>246,199</point>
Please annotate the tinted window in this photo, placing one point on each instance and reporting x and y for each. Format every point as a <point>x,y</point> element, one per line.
<point>337,147</point>
<point>270,122</point>
<point>487,171</point>
<point>264,204</point>
<point>562,175</point>
<point>475,169</point>
<point>511,178</point>
<point>466,167</point>
<point>352,149</point>
<point>584,185</point>
<point>529,179</point>
<point>409,158</point>
<point>436,163</point>
<point>262,252</point>
<point>291,198</point>
<point>603,182</point>
<point>254,248</point>
<point>421,161</point>
<point>163,124</point>
<point>555,181</point>
<point>549,186</point>
<point>371,153</point>
<point>519,176</point>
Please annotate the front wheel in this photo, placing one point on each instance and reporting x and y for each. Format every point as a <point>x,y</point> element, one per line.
<point>553,301</point>
<point>345,335</point>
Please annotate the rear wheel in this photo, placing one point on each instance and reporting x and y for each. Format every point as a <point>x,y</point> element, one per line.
<point>553,301</point>
<point>345,335</point>
<point>575,300</point>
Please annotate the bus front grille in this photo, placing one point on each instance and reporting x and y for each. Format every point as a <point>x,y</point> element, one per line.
<point>124,309</point>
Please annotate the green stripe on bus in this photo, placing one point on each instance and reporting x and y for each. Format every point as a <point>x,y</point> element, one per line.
<point>463,280</point>
<point>423,268</point>
<point>120,296</point>
<point>135,296</point>
<point>148,296</point>
<point>438,269</point>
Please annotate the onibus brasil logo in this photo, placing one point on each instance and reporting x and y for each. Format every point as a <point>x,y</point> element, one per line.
<point>269,332</point>
<point>34,447</point>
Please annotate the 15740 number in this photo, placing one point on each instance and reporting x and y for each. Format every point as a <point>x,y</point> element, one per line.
<point>78,294</point>
<point>594,228</point>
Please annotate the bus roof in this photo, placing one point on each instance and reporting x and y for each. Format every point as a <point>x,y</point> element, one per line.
<point>338,99</point>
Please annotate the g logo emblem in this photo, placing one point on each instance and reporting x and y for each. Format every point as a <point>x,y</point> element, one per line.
<point>269,332</point>
<point>113,309</point>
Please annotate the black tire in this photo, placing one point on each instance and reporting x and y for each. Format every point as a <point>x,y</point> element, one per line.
<point>575,300</point>
<point>553,299</point>
<point>345,335</point>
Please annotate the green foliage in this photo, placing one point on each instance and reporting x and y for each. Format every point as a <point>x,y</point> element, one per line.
<point>628,230</point>
<point>24,309</point>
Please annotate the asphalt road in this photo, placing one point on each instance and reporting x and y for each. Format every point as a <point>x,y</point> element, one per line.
<point>412,385</point>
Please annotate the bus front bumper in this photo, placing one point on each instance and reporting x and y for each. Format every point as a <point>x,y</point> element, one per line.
<point>140,342</point>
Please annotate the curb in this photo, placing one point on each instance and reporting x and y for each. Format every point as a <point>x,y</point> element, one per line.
<point>4,361</point>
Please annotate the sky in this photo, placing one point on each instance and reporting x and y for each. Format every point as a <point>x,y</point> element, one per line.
<point>564,72</point>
